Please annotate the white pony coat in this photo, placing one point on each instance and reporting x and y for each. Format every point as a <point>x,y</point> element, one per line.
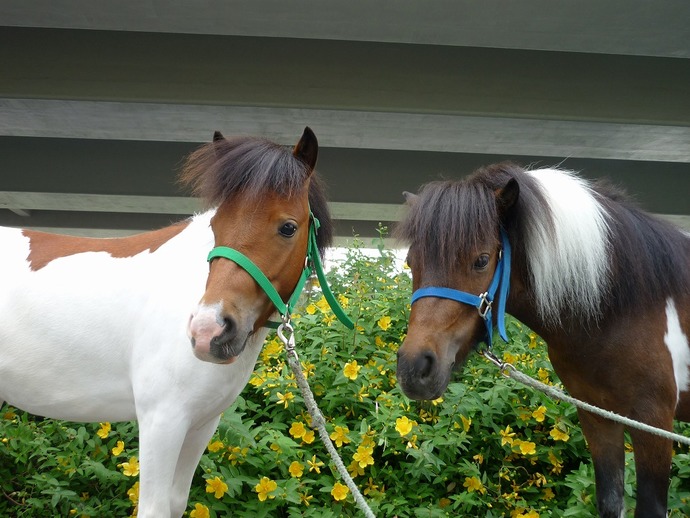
<point>91,337</point>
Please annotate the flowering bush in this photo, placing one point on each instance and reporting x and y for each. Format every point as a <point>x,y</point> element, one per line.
<point>488,447</point>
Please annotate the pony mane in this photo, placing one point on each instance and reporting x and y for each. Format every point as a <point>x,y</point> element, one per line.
<point>254,167</point>
<point>585,247</point>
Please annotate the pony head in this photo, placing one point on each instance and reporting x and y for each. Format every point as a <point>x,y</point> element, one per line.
<point>265,194</point>
<point>454,233</point>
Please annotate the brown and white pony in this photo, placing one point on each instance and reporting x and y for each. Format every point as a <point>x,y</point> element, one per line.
<point>100,329</point>
<point>605,284</point>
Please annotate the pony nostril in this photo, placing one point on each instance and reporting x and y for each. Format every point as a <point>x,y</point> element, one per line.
<point>228,334</point>
<point>230,328</point>
<point>425,364</point>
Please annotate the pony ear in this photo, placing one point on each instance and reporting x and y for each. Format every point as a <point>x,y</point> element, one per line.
<point>307,149</point>
<point>410,198</point>
<point>218,140</point>
<point>507,196</point>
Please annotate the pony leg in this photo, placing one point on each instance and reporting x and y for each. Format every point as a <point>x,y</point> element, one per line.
<point>160,441</point>
<point>606,444</point>
<point>192,449</point>
<point>653,466</point>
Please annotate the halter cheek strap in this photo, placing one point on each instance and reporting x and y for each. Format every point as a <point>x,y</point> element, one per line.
<point>312,258</point>
<point>483,302</point>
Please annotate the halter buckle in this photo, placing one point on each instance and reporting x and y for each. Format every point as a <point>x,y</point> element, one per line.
<point>484,306</point>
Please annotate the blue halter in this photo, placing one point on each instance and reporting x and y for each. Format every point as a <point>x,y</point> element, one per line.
<point>483,302</point>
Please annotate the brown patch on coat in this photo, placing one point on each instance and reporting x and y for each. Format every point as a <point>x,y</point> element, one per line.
<point>45,247</point>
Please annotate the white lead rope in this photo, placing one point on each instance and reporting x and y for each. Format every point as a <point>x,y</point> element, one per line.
<point>317,419</point>
<point>510,371</point>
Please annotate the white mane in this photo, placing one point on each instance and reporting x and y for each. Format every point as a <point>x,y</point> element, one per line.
<point>568,262</point>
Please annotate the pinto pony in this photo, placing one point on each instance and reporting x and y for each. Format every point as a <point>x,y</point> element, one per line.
<point>100,329</point>
<point>606,285</point>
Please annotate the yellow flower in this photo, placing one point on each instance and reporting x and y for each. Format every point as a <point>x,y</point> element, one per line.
<point>256,380</point>
<point>548,494</point>
<point>379,342</point>
<point>328,319</point>
<point>315,464</point>
<point>368,439</point>
<point>384,322</point>
<point>131,468</point>
<point>104,430</point>
<point>285,399</point>
<point>235,454</point>
<point>265,487</point>
<point>539,414</point>
<point>323,305</point>
<point>339,436</point>
<point>543,375</point>
<point>305,498</point>
<point>557,464</point>
<point>559,435</point>
<point>531,514</point>
<point>133,493</point>
<point>351,370</point>
<point>311,309</point>
<point>444,502</point>
<point>404,426</point>
<point>466,422</point>
<point>364,456</point>
<point>343,300</point>
<point>339,491</point>
<point>215,446</point>
<point>297,430</point>
<point>525,414</point>
<point>371,487</point>
<point>354,469</point>
<point>474,484</point>
<point>216,486</point>
<point>479,458</point>
<point>510,358</point>
<point>119,448</point>
<point>538,480</point>
<point>296,469</point>
<point>507,436</point>
<point>272,349</point>
<point>308,437</point>
<point>199,511</point>
<point>526,447</point>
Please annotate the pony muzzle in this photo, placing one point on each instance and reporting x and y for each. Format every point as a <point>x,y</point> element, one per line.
<point>214,337</point>
<point>421,375</point>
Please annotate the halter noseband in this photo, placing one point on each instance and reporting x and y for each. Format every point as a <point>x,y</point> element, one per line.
<point>483,302</point>
<point>311,263</point>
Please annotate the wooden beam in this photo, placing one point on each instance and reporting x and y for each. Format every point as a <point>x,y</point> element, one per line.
<point>346,129</point>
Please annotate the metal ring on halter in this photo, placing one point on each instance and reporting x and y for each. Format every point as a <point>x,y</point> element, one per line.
<point>484,305</point>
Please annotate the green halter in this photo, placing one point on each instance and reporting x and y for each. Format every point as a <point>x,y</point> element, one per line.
<point>312,263</point>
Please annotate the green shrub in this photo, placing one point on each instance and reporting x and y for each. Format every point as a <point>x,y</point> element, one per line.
<point>487,448</point>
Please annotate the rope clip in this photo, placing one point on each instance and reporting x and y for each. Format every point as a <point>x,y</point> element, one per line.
<point>286,333</point>
<point>503,367</point>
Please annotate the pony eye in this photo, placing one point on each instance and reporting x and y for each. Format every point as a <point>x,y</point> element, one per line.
<point>288,230</point>
<point>481,262</point>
